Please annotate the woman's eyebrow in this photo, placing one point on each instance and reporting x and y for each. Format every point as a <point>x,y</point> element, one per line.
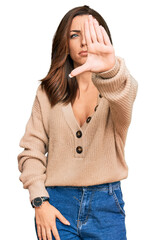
<point>75,31</point>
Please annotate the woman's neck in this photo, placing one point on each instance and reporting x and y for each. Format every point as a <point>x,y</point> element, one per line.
<point>84,81</point>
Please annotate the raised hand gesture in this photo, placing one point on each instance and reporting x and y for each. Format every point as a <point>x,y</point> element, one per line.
<point>101,54</point>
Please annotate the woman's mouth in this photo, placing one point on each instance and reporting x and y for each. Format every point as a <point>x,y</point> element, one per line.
<point>83,53</point>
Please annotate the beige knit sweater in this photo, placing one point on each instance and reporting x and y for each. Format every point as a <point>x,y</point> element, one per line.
<point>58,152</point>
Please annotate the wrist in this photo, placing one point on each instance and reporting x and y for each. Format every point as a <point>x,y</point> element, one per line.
<point>38,201</point>
<point>111,72</point>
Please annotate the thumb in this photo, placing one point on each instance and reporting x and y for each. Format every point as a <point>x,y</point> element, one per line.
<point>78,70</point>
<point>62,218</point>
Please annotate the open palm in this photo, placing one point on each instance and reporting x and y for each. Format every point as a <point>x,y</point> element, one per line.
<point>101,54</point>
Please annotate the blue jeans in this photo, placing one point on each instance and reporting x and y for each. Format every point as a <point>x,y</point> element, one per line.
<point>94,212</point>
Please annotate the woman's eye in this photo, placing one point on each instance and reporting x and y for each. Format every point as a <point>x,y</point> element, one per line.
<point>73,35</point>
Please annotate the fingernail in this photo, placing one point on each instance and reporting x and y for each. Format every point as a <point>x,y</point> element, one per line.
<point>68,223</point>
<point>70,75</point>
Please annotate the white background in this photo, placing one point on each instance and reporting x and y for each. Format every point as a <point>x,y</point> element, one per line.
<point>27,29</point>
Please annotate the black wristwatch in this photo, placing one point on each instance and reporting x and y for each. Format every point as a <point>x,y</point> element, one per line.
<point>37,202</point>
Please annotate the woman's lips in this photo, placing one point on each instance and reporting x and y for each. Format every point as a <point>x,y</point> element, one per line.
<point>83,53</point>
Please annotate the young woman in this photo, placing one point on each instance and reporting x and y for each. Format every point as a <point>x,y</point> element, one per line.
<point>80,117</point>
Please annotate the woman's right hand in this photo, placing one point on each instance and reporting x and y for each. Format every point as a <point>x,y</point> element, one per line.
<point>46,221</point>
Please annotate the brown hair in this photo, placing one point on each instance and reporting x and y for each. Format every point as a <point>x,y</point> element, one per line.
<point>57,84</point>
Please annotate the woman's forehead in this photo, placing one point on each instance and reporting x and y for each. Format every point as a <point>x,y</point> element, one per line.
<point>79,21</point>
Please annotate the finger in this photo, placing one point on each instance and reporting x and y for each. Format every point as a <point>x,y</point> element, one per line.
<point>62,218</point>
<point>55,232</point>
<point>105,36</point>
<point>78,70</point>
<point>48,230</point>
<point>39,232</point>
<point>87,32</point>
<point>43,233</point>
<point>98,31</point>
<point>92,30</point>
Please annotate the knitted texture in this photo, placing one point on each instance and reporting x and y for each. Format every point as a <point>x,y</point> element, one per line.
<point>50,155</point>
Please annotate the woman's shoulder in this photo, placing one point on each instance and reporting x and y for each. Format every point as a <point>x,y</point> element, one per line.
<point>40,90</point>
<point>42,97</point>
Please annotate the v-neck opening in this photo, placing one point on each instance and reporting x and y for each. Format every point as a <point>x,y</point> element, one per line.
<point>84,125</point>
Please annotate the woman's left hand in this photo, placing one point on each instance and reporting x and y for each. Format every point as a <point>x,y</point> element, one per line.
<point>101,54</point>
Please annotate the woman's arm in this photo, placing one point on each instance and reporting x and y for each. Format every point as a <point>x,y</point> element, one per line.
<point>120,89</point>
<point>32,160</point>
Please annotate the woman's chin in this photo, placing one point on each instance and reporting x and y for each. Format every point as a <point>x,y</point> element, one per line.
<point>80,62</point>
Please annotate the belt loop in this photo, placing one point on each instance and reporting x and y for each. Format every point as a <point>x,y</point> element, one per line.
<point>110,189</point>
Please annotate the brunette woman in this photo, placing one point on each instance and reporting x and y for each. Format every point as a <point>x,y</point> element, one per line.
<point>80,117</point>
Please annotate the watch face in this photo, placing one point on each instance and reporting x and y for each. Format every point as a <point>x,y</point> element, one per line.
<point>37,201</point>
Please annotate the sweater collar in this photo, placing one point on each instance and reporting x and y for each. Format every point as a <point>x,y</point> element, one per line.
<point>72,121</point>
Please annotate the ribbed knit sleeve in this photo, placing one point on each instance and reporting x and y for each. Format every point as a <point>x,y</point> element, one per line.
<point>120,89</point>
<point>32,160</point>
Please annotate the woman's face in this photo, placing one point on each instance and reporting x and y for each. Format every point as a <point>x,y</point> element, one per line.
<point>77,41</point>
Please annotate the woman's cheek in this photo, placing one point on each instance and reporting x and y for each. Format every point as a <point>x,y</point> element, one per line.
<point>73,54</point>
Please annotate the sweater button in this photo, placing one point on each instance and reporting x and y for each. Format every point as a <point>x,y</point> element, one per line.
<point>79,149</point>
<point>100,95</point>
<point>95,108</point>
<point>88,119</point>
<point>79,134</point>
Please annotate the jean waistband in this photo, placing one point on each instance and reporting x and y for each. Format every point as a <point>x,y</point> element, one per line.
<point>104,186</point>
<point>107,185</point>
<point>116,184</point>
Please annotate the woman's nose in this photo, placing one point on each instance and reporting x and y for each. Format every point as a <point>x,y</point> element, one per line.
<point>83,40</point>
